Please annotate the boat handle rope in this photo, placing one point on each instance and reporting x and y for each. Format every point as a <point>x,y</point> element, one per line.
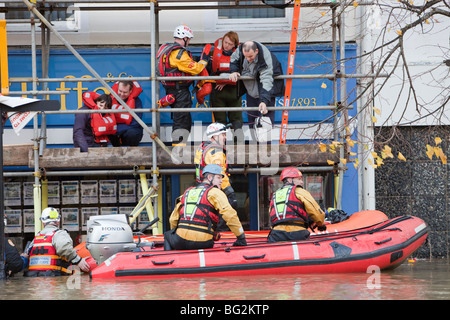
<point>162,263</point>
<point>254,257</point>
<point>383,241</point>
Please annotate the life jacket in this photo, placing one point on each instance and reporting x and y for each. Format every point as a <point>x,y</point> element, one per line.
<point>131,102</point>
<point>221,62</point>
<point>197,210</point>
<point>43,255</point>
<point>286,208</point>
<point>165,70</point>
<point>200,154</point>
<point>103,124</point>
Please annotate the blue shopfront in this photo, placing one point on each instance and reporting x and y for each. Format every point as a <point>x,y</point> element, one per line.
<point>252,189</point>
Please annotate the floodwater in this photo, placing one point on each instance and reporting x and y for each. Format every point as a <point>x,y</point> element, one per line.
<point>422,279</point>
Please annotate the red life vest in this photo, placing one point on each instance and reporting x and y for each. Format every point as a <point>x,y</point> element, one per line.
<point>131,102</point>
<point>197,210</point>
<point>286,208</point>
<point>221,62</point>
<point>165,70</point>
<point>43,255</point>
<point>103,124</point>
<point>200,154</point>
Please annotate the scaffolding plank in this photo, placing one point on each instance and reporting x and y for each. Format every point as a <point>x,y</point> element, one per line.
<point>128,157</point>
<point>16,154</point>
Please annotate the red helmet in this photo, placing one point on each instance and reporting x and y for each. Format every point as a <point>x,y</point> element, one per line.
<point>290,172</point>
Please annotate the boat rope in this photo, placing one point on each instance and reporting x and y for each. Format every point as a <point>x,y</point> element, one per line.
<point>227,246</point>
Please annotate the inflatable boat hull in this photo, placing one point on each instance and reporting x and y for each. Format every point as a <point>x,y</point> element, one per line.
<point>385,245</point>
<point>357,220</point>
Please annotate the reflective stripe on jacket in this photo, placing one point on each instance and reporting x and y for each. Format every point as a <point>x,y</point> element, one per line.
<point>43,255</point>
<point>286,208</point>
<point>197,210</point>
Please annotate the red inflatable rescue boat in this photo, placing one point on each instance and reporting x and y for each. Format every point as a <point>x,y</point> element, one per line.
<point>356,220</point>
<point>384,245</point>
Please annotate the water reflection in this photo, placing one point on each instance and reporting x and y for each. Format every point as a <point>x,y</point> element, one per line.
<point>421,280</point>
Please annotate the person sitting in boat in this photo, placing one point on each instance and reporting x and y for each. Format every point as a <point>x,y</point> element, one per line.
<point>51,252</point>
<point>194,220</point>
<point>293,209</point>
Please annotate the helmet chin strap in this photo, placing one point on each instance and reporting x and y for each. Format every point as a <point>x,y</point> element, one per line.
<point>215,140</point>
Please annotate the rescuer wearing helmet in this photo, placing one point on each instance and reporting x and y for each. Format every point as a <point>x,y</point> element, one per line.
<point>293,209</point>
<point>51,252</point>
<point>175,60</point>
<point>194,220</point>
<point>213,151</point>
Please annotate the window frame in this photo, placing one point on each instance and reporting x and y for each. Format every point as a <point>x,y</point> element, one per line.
<point>72,25</point>
<point>251,24</point>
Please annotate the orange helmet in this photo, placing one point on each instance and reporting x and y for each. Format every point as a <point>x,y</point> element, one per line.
<point>290,172</point>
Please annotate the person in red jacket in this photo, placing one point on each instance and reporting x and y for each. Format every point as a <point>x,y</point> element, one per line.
<point>224,93</point>
<point>129,131</point>
<point>92,129</point>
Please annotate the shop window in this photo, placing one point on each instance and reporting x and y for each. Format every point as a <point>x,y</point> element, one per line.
<point>240,184</point>
<point>64,16</point>
<point>265,18</point>
<point>318,184</point>
<point>254,13</point>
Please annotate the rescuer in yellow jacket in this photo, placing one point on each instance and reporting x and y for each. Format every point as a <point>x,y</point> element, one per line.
<point>194,220</point>
<point>293,209</point>
<point>175,60</point>
<point>213,151</point>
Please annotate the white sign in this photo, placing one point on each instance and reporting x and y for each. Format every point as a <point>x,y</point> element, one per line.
<point>18,120</point>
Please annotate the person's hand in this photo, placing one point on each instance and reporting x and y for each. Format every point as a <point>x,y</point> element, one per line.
<point>219,87</point>
<point>83,265</point>
<point>263,108</point>
<point>234,76</point>
<point>322,227</point>
<point>205,57</point>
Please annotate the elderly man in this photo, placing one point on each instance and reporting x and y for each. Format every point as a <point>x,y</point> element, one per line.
<point>253,59</point>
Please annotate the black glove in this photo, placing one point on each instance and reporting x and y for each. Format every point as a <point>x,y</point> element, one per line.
<point>205,57</point>
<point>229,192</point>
<point>322,227</point>
<point>240,241</point>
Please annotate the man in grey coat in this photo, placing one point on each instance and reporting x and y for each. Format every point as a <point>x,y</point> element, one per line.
<point>255,60</point>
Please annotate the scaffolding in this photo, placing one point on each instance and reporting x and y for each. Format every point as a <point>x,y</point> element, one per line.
<point>339,107</point>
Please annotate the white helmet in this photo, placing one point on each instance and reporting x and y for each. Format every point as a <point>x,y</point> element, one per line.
<point>50,215</point>
<point>183,31</point>
<point>215,129</point>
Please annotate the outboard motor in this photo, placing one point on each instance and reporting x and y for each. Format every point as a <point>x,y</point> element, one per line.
<point>108,235</point>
